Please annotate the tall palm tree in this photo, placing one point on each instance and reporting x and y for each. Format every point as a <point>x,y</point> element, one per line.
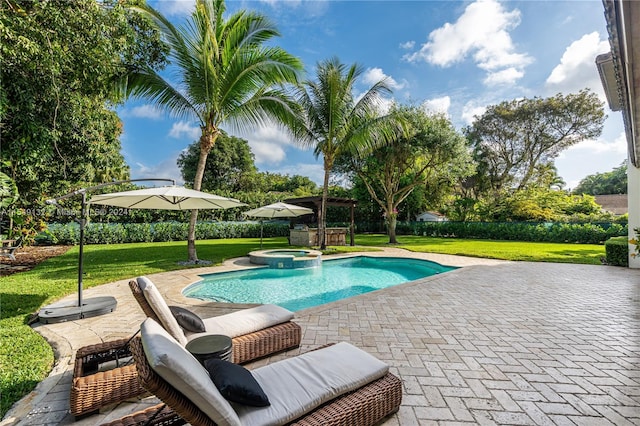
<point>333,121</point>
<point>223,73</point>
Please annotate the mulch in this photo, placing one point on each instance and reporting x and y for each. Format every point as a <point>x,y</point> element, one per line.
<point>28,257</point>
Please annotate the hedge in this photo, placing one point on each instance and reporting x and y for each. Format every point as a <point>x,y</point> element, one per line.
<point>581,233</point>
<point>112,233</point>
<point>617,251</point>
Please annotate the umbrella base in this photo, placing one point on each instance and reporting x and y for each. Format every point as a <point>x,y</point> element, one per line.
<point>69,311</point>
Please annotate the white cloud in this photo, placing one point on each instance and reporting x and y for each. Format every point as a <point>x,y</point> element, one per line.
<point>594,156</point>
<point>384,105</point>
<point>182,129</point>
<point>508,76</point>
<point>267,152</point>
<point>373,75</point>
<point>482,31</point>
<point>167,169</point>
<point>437,105</point>
<point>577,69</point>
<point>268,144</point>
<point>146,111</point>
<point>470,110</point>
<point>408,45</point>
<point>602,146</point>
<point>590,157</point>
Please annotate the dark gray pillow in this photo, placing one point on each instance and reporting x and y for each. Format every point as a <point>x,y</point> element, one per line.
<point>236,383</point>
<point>187,319</point>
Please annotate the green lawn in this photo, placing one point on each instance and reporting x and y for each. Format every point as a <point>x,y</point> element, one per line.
<point>26,358</point>
<point>493,249</point>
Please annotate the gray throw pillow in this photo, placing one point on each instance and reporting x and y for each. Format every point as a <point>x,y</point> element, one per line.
<point>187,319</point>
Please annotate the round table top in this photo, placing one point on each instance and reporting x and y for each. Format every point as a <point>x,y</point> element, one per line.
<point>209,344</point>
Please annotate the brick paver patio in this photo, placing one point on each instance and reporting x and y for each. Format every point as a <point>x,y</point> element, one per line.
<point>490,343</point>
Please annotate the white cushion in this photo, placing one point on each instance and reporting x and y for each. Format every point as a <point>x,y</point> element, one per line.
<point>179,368</point>
<point>244,321</point>
<point>297,385</point>
<point>160,307</point>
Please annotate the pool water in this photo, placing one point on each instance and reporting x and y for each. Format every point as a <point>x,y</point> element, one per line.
<point>297,289</point>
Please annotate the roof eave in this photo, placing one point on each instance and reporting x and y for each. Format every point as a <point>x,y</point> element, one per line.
<point>624,39</point>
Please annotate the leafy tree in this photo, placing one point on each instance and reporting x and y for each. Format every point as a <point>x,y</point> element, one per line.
<point>432,156</point>
<point>228,162</point>
<point>539,204</point>
<point>513,139</point>
<point>333,121</point>
<point>58,61</point>
<point>225,72</point>
<point>613,182</point>
<point>8,191</point>
<point>230,171</point>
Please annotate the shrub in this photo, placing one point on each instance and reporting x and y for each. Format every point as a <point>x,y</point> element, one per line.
<point>105,233</point>
<point>617,251</point>
<point>138,232</point>
<point>582,233</point>
<point>112,233</point>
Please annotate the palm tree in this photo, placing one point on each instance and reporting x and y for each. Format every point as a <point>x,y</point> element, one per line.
<point>222,74</point>
<point>332,121</point>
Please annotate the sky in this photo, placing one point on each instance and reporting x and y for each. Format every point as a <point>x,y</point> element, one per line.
<point>454,57</point>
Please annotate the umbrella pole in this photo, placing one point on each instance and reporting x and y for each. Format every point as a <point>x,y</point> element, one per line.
<point>261,225</point>
<point>83,222</point>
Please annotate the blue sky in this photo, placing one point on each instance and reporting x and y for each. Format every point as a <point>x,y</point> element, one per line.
<point>455,57</point>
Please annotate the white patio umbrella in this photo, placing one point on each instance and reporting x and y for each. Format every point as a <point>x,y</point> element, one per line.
<point>166,198</point>
<point>277,210</point>
<point>159,198</point>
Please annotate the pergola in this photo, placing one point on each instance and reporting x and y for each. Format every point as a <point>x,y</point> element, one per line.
<point>315,203</point>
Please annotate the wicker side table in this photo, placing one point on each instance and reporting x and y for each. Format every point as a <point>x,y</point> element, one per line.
<point>103,374</point>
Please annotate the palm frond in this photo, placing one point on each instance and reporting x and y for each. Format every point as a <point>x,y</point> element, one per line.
<point>150,85</point>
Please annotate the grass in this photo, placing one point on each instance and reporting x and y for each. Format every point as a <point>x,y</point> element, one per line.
<point>26,358</point>
<point>492,249</point>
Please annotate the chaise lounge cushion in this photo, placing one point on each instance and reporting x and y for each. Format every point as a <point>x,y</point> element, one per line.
<point>160,307</point>
<point>245,321</point>
<point>236,383</point>
<point>295,386</point>
<point>298,385</point>
<point>233,324</point>
<point>177,366</point>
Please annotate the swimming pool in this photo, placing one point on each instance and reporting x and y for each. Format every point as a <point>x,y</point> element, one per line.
<point>297,289</point>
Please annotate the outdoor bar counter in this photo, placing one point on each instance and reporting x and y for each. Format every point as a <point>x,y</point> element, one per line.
<point>309,237</point>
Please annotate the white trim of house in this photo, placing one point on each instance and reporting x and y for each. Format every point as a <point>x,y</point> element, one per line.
<point>633,182</point>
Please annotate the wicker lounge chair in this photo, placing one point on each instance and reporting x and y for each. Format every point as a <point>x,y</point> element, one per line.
<point>366,397</point>
<point>274,336</point>
<point>92,389</point>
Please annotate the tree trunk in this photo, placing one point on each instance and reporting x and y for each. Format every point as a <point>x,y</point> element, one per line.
<point>322,225</point>
<point>191,238</point>
<point>207,140</point>
<point>392,228</point>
